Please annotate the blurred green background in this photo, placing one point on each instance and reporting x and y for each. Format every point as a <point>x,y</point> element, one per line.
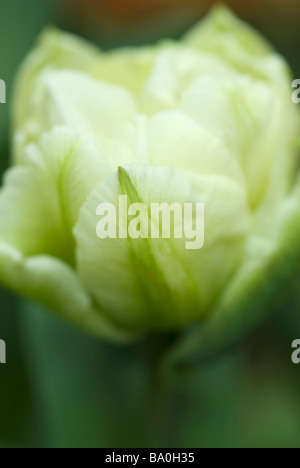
<point>61,388</point>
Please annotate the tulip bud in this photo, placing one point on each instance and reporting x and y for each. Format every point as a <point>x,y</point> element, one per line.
<point>207,120</point>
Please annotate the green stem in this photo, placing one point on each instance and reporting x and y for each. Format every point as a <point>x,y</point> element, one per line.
<point>162,412</point>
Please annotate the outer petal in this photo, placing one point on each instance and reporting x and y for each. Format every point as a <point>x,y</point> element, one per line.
<point>157,283</point>
<point>258,288</point>
<point>41,199</point>
<point>54,284</point>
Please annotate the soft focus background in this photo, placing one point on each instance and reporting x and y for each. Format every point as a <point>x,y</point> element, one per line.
<point>61,388</point>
